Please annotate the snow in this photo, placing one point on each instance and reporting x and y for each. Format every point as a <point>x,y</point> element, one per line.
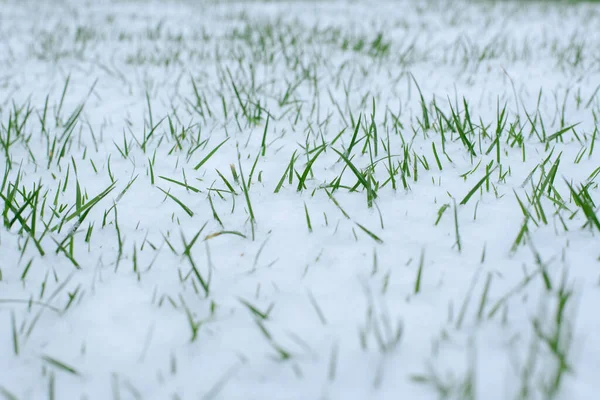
<point>337,311</point>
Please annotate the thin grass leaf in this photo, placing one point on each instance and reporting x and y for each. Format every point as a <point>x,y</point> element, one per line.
<point>215,234</point>
<point>476,187</point>
<point>308,168</point>
<point>209,155</point>
<point>371,234</point>
<point>60,365</point>
<point>179,202</point>
<point>371,195</point>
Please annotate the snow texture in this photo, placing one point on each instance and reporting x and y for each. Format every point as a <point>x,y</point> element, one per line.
<point>400,266</point>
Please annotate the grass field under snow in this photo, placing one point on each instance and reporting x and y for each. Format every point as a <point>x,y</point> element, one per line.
<point>299,200</point>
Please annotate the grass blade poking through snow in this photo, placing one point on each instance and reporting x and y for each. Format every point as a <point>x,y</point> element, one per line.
<point>371,234</point>
<point>215,234</point>
<point>308,167</point>
<point>179,202</point>
<point>354,135</point>
<point>209,155</point>
<point>15,335</point>
<point>476,187</point>
<point>307,219</point>
<point>61,365</point>
<point>289,170</point>
<point>263,144</point>
<point>247,196</point>
<point>204,282</point>
<point>88,206</point>
<point>371,195</point>
<point>420,273</point>
<point>456,231</point>
<point>583,200</point>
<point>261,315</point>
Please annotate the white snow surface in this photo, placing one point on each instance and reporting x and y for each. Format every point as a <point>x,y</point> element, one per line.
<point>465,308</point>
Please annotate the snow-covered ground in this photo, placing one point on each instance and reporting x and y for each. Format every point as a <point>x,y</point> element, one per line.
<point>299,200</point>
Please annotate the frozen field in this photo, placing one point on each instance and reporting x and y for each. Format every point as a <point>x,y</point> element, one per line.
<point>299,200</point>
